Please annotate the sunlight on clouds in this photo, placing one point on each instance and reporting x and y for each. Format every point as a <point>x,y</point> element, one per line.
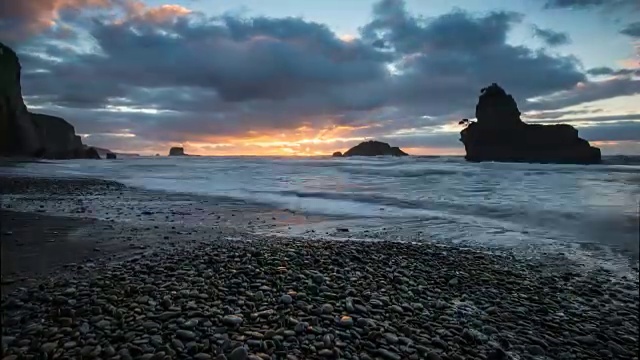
<point>129,109</point>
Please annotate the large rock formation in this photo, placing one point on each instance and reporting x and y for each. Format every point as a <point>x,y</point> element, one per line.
<point>374,148</point>
<point>26,134</point>
<point>500,135</point>
<point>176,151</point>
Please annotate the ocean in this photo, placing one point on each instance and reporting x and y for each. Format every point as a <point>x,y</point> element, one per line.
<point>582,211</point>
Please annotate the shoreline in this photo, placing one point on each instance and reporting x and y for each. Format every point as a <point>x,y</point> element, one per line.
<point>203,284</point>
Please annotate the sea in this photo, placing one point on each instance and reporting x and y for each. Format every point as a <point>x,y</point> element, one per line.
<point>582,211</point>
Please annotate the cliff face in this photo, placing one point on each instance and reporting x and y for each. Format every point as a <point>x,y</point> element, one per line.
<point>500,135</point>
<point>19,134</point>
<point>26,134</point>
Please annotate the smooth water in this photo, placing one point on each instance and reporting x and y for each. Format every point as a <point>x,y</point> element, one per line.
<point>445,197</point>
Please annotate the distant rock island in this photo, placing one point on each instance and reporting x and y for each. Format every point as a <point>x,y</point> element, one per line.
<point>25,134</point>
<point>177,151</point>
<point>372,148</point>
<point>500,135</point>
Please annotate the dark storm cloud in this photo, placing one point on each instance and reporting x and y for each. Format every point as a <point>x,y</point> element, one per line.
<point>228,75</point>
<point>621,131</point>
<point>448,59</point>
<point>587,92</point>
<point>551,37</point>
<point>590,4</point>
<point>591,120</point>
<point>604,70</point>
<point>632,30</point>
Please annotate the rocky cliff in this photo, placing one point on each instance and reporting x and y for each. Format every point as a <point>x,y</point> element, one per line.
<point>500,135</point>
<point>31,135</point>
<point>373,148</point>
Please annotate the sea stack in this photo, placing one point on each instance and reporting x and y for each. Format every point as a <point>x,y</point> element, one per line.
<point>500,135</point>
<point>25,134</point>
<point>176,151</point>
<point>373,148</point>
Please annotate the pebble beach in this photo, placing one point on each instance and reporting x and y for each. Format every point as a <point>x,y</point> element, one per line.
<point>216,291</point>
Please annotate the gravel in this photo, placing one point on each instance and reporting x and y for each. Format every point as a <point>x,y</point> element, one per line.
<point>266,298</point>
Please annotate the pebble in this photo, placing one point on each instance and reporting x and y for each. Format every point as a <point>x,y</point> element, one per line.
<point>185,335</point>
<point>388,355</point>
<point>373,301</point>
<point>239,353</point>
<point>232,320</point>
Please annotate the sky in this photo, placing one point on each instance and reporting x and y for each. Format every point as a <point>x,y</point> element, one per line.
<point>310,77</point>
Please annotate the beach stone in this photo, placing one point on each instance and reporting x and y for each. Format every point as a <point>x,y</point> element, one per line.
<point>239,353</point>
<point>177,344</point>
<point>325,353</point>
<point>391,338</point>
<point>346,321</point>
<point>286,299</point>
<point>185,335</point>
<point>318,278</point>
<point>232,320</point>
<point>536,350</point>
<point>497,354</point>
<point>587,340</point>
<point>48,347</point>
<point>396,309</point>
<point>202,356</point>
<point>190,324</point>
<point>388,355</point>
<point>327,309</point>
<point>433,356</point>
<point>149,325</point>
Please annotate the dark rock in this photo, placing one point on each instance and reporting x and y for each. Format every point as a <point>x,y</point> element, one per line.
<point>111,156</point>
<point>18,134</point>
<point>176,151</point>
<point>374,148</point>
<point>89,152</point>
<point>57,137</point>
<point>500,135</point>
<point>27,134</point>
<point>337,154</point>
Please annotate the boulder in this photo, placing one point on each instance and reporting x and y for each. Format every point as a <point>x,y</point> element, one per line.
<point>337,154</point>
<point>111,156</point>
<point>26,134</point>
<point>374,148</point>
<point>500,135</point>
<point>176,151</point>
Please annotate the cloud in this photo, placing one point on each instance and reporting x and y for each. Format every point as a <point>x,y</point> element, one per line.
<point>604,70</point>
<point>590,4</point>
<point>632,30</point>
<point>169,75</point>
<point>551,37</point>
<point>620,131</point>
<point>587,92</point>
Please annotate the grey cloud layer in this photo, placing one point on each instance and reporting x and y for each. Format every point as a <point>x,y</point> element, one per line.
<point>228,75</point>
